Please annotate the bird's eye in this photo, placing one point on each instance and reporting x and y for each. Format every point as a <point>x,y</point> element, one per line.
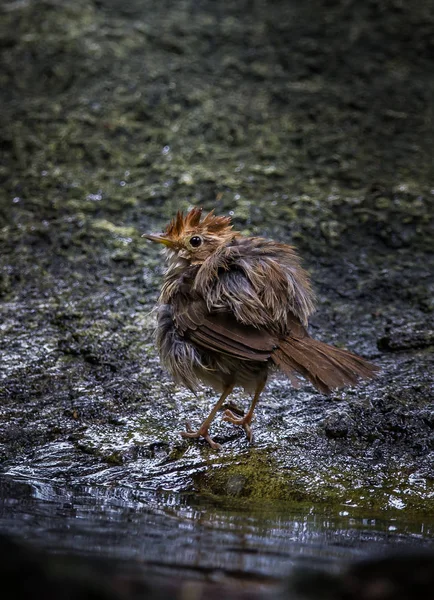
<point>195,241</point>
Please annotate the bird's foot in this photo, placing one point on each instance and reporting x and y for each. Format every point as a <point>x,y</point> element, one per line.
<point>201,432</point>
<point>244,422</point>
<point>234,409</point>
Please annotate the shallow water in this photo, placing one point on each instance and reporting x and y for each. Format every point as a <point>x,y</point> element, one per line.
<point>185,536</point>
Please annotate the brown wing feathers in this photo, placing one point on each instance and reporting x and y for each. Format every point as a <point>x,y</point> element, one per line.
<point>207,338</point>
<point>222,332</point>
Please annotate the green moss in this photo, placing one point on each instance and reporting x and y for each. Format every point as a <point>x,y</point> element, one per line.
<point>254,478</point>
<point>258,479</point>
<point>114,459</point>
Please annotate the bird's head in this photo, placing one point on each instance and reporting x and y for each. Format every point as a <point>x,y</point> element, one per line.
<point>192,238</point>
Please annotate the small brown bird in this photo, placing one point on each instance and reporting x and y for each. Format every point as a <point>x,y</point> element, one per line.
<point>232,309</point>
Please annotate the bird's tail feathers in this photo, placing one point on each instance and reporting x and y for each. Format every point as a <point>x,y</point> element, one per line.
<point>327,367</point>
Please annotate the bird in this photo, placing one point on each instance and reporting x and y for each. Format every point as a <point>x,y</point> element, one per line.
<point>232,310</point>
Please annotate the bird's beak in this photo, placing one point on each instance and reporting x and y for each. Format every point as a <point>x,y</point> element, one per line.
<point>159,239</point>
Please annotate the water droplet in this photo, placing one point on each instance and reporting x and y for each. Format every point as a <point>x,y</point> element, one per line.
<point>95,197</point>
<point>186,179</point>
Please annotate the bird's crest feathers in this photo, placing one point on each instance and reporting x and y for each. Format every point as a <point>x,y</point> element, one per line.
<point>181,224</point>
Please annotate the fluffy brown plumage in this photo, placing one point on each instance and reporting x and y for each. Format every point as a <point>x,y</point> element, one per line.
<point>232,309</point>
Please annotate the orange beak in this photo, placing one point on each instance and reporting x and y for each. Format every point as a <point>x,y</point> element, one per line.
<point>159,239</point>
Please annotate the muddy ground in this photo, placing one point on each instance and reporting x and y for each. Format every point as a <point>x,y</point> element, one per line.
<point>311,123</point>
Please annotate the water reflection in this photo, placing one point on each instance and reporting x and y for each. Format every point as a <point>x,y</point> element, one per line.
<point>182,535</point>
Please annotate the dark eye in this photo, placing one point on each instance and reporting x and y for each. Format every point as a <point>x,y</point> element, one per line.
<point>195,241</point>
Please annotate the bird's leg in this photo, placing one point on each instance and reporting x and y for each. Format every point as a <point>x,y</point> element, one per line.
<point>203,429</point>
<point>245,421</point>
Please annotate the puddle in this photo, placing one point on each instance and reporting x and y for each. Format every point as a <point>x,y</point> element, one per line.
<point>183,535</point>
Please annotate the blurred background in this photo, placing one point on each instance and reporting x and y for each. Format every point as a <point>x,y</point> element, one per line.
<point>308,122</point>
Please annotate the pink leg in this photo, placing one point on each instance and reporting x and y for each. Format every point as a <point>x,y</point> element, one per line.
<point>203,429</point>
<point>246,420</point>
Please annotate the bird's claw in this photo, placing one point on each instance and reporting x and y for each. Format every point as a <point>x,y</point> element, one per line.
<point>244,422</point>
<point>201,432</point>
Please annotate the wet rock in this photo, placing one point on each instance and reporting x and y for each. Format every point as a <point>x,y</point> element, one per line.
<point>337,425</point>
<point>410,335</point>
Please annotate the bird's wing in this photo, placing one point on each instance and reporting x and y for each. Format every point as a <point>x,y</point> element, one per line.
<point>220,331</point>
<point>261,282</point>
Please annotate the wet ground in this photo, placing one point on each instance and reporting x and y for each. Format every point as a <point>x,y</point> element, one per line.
<point>312,125</point>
